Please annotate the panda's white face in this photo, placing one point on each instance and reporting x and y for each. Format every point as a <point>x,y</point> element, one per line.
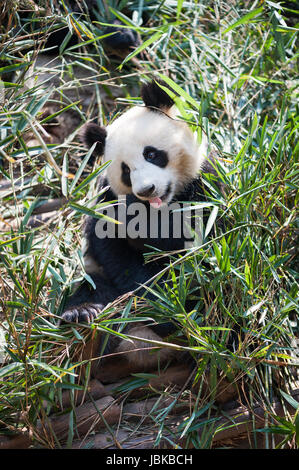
<point>152,155</point>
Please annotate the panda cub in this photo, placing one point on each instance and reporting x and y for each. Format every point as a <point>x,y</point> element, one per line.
<point>155,160</point>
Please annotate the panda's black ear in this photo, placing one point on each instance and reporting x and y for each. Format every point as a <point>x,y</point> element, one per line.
<point>91,134</point>
<point>155,97</point>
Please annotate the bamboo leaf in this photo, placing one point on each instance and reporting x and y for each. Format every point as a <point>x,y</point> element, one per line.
<point>245,19</point>
<point>155,37</point>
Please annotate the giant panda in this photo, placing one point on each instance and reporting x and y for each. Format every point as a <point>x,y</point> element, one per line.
<point>154,160</point>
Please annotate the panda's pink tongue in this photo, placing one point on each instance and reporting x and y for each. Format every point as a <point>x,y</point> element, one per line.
<point>156,202</point>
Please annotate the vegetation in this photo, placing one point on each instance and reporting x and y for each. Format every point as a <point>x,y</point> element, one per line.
<point>234,67</point>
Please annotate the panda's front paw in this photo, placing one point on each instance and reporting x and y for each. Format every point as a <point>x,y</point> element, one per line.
<point>84,313</point>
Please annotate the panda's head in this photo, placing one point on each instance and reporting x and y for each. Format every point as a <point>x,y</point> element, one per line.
<point>153,154</point>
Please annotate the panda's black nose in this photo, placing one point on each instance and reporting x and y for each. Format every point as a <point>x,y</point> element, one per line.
<point>147,191</point>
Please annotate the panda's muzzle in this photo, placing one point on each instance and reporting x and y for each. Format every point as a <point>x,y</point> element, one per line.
<point>147,191</point>
<point>150,194</point>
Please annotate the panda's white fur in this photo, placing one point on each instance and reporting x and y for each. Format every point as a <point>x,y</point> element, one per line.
<point>138,127</point>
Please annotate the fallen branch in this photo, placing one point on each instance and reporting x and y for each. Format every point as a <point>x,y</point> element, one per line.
<point>125,438</point>
<point>33,222</point>
<point>241,420</point>
<point>7,188</point>
<point>22,441</point>
<point>143,409</point>
<point>90,416</point>
<point>41,215</point>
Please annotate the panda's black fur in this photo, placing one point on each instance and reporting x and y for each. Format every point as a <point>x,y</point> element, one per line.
<point>121,261</point>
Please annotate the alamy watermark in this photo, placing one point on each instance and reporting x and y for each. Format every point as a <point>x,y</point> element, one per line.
<point>2,92</point>
<point>2,346</point>
<point>138,220</point>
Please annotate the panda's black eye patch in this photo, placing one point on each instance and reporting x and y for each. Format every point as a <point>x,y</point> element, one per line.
<point>155,156</point>
<point>125,175</point>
